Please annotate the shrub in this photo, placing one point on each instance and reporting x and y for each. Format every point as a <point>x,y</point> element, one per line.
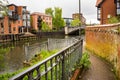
<point>113,20</point>
<point>85,62</point>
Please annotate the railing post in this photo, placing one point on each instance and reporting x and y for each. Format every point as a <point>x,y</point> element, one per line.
<point>63,66</point>
<point>66,30</point>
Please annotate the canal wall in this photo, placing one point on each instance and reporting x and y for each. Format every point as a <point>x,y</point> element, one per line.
<point>104,40</point>
<point>22,37</point>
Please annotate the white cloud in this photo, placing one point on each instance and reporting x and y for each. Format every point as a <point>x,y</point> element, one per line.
<point>68,6</point>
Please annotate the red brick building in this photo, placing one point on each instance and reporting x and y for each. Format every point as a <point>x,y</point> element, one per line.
<point>106,9</point>
<point>45,18</point>
<point>17,20</point>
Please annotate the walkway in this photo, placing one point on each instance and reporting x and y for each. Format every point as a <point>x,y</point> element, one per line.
<point>99,70</point>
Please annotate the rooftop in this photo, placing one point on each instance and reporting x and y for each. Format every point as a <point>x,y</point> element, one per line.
<point>38,13</point>
<point>99,2</point>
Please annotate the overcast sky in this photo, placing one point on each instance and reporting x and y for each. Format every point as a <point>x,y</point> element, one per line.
<point>69,7</point>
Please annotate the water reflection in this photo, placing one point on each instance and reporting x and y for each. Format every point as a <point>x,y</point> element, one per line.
<point>17,54</point>
<point>12,60</point>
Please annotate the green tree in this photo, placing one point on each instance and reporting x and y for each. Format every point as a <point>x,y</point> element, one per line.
<point>45,27</point>
<point>49,11</point>
<point>4,10</point>
<point>57,19</point>
<point>75,22</point>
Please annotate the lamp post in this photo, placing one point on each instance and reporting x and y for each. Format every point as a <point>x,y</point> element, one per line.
<point>79,11</point>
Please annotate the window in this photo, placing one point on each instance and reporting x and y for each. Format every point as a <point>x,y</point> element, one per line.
<point>14,29</point>
<point>9,28</point>
<point>2,28</point>
<point>118,7</point>
<point>98,13</point>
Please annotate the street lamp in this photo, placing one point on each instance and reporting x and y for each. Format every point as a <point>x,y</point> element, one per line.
<point>79,11</point>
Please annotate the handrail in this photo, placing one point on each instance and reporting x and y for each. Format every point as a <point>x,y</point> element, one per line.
<point>60,63</point>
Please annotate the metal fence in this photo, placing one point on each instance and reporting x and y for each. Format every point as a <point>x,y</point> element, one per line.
<point>56,67</point>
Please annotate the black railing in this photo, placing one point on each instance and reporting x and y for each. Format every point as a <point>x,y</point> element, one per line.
<point>57,67</point>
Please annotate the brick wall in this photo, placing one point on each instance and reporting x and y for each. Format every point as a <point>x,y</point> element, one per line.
<point>104,41</point>
<point>107,8</point>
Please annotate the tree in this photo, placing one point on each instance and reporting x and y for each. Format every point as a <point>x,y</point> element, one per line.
<point>45,27</point>
<point>3,7</point>
<point>49,11</point>
<point>75,22</point>
<point>57,19</point>
<point>4,10</point>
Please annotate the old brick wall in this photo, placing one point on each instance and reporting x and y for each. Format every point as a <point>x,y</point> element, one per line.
<point>104,41</point>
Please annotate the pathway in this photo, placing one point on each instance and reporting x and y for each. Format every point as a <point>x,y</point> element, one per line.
<point>99,70</point>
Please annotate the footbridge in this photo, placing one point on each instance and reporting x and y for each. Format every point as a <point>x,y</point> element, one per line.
<point>71,29</point>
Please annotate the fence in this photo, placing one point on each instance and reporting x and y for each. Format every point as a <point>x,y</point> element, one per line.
<point>104,40</point>
<point>56,67</point>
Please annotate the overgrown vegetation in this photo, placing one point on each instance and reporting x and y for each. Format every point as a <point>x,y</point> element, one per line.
<point>4,50</point>
<point>85,62</point>
<point>37,58</point>
<point>76,22</point>
<point>112,20</point>
<point>42,55</point>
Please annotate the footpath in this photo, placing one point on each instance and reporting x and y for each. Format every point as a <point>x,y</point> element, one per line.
<point>99,70</point>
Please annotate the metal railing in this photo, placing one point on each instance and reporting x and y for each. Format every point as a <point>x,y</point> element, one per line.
<point>57,67</point>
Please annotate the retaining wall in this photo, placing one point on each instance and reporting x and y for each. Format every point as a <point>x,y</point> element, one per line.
<point>104,40</point>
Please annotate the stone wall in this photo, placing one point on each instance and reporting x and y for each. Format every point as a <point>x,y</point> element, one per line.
<point>104,40</point>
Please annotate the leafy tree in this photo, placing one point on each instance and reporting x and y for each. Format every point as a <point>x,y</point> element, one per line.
<point>57,19</point>
<point>75,22</point>
<point>4,11</point>
<point>49,11</point>
<point>45,27</point>
<point>59,22</point>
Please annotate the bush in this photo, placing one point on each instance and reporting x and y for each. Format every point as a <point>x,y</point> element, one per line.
<point>113,20</point>
<point>85,62</point>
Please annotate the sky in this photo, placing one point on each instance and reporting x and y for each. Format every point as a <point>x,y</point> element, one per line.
<point>69,7</point>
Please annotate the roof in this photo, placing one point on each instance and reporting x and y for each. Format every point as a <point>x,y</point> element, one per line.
<point>38,13</point>
<point>12,5</point>
<point>99,2</point>
<point>27,34</point>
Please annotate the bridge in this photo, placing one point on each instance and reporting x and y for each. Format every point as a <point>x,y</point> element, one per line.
<point>72,30</point>
<point>56,67</point>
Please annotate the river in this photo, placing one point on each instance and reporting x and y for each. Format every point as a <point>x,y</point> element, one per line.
<point>13,59</point>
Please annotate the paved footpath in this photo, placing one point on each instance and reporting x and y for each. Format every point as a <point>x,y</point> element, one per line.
<point>99,70</point>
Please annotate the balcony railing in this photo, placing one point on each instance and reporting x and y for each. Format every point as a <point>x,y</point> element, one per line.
<point>57,67</point>
<point>13,15</point>
<point>1,16</point>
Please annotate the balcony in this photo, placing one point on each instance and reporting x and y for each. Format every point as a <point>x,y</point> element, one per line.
<point>13,15</point>
<point>1,16</point>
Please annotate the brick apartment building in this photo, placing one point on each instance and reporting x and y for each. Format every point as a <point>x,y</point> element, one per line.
<point>79,16</point>
<point>45,18</point>
<point>106,9</point>
<point>16,20</point>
